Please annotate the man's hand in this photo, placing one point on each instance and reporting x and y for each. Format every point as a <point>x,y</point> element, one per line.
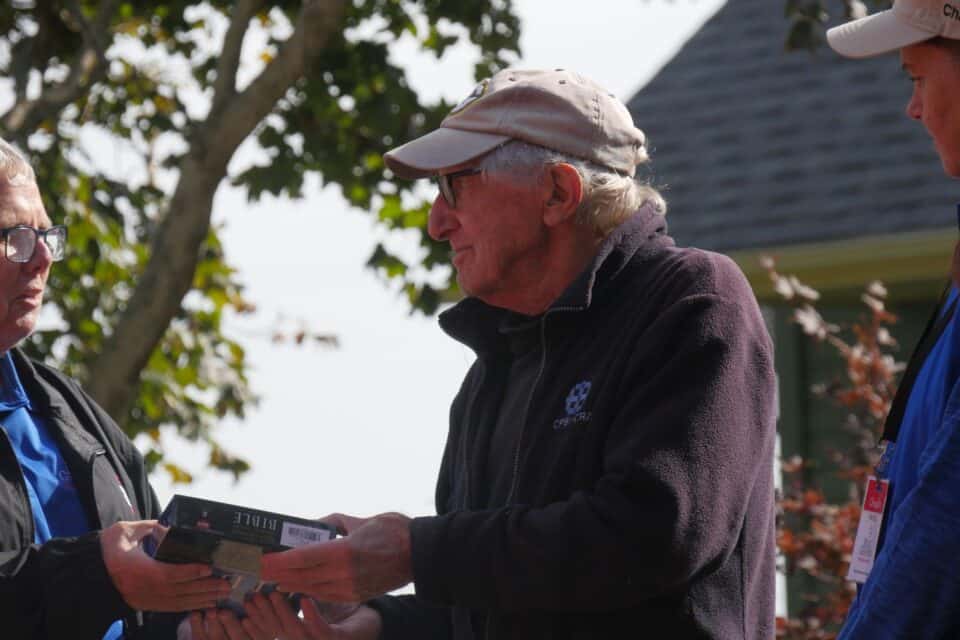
<point>372,559</point>
<point>271,617</point>
<point>148,585</point>
<point>320,622</point>
<point>223,624</point>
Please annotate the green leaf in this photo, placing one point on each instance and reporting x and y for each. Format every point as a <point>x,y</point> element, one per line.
<point>334,124</point>
<point>178,475</point>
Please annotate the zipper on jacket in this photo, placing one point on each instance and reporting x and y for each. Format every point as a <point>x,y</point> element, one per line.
<point>515,479</point>
<point>22,488</point>
<point>464,504</point>
<point>91,464</point>
<point>135,620</point>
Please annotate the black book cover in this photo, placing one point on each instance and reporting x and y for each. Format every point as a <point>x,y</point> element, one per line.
<point>232,539</point>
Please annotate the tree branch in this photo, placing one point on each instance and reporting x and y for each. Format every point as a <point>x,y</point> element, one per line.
<point>225,86</point>
<point>91,64</point>
<point>20,68</point>
<point>76,13</point>
<point>102,22</point>
<point>177,245</point>
<point>312,33</point>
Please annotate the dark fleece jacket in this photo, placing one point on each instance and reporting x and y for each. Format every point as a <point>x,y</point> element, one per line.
<point>642,499</point>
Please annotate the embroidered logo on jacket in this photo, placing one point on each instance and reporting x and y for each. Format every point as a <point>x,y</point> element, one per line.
<point>66,480</point>
<point>576,400</point>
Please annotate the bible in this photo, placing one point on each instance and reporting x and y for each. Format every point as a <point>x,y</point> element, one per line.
<point>231,539</point>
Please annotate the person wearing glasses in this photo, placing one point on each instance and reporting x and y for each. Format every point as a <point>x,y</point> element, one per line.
<point>909,582</point>
<point>608,471</point>
<point>74,495</point>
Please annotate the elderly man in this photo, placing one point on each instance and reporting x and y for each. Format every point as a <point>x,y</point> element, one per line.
<point>912,588</point>
<point>71,482</point>
<point>608,469</point>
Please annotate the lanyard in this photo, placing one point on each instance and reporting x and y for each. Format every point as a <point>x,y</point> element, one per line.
<point>936,325</point>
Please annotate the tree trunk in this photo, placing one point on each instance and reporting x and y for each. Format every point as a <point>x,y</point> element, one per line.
<point>177,245</point>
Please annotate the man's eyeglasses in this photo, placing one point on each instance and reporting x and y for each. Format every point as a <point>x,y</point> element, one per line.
<point>445,183</point>
<point>20,242</point>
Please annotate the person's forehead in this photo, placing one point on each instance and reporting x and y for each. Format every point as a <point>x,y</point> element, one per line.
<point>920,54</point>
<point>21,204</point>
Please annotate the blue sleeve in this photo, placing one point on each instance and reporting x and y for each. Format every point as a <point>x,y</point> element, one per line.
<point>915,583</point>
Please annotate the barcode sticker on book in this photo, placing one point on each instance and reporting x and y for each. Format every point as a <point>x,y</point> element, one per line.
<point>295,535</point>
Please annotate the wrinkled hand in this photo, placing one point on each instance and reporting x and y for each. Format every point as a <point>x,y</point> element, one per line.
<point>372,559</point>
<point>149,585</point>
<point>323,622</point>
<point>223,624</point>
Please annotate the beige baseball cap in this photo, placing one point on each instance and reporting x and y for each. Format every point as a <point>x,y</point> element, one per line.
<point>908,22</point>
<point>557,109</point>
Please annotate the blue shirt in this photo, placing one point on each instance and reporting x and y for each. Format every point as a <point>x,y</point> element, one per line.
<point>914,588</point>
<point>54,501</point>
<point>923,414</point>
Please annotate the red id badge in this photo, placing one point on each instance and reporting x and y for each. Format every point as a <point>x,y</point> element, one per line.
<point>868,531</point>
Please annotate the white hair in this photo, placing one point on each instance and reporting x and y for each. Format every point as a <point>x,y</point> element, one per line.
<point>609,197</point>
<point>15,171</point>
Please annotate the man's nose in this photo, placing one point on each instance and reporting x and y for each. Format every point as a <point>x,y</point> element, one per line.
<point>914,108</point>
<point>42,258</point>
<point>442,219</point>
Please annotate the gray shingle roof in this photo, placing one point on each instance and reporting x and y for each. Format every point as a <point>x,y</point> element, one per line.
<point>754,147</point>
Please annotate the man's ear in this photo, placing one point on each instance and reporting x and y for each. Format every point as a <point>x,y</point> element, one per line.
<point>563,189</point>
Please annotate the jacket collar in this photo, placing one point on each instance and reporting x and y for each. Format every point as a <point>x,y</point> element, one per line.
<point>48,401</point>
<point>12,394</point>
<point>38,393</point>
<point>476,324</point>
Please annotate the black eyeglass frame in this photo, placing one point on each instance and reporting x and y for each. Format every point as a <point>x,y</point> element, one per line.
<point>39,234</point>
<point>445,184</point>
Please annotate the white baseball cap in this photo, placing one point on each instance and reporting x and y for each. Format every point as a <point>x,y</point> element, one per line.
<point>908,22</point>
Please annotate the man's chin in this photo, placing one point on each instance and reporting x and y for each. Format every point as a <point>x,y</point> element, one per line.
<point>470,290</point>
<point>466,286</point>
<point>14,333</point>
<point>8,341</point>
<point>951,165</point>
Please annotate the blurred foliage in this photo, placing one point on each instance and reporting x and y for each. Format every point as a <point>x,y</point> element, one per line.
<point>815,535</point>
<point>146,73</point>
<point>809,18</point>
